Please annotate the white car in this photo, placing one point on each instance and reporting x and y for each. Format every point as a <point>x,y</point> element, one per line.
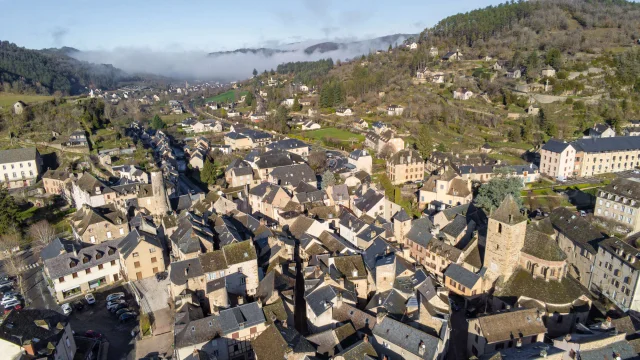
<point>12,303</point>
<point>66,309</point>
<point>8,299</point>
<point>90,299</point>
<point>115,296</point>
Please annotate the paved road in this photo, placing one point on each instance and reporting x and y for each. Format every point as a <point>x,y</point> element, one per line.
<point>187,186</point>
<point>458,336</point>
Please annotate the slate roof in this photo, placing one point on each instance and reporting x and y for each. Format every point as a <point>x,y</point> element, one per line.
<point>213,261</point>
<point>274,341</point>
<point>420,232</point>
<point>508,212</point>
<point>612,244</point>
<point>617,143</point>
<point>276,158</point>
<point>240,317</point>
<point>522,284</point>
<point>130,242</point>
<point>318,298</point>
<point>300,226</point>
<point>18,155</point>
<point>349,220</point>
<point>402,216</point>
<point>360,320</point>
<point>95,255</point>
<point>56,247</point>
<point>576,229</point>
<point>627,188</point>
<point>622,348</point>
<point>456,227</point>
<point>286,144</point>
<point>196,330</point>
<point>362,350</point>
<point>293,174</point>
<point>555,146</point>
<point>502,326</point>
<point>89,183</point>
<point>356,154</point>
<point>392,300</point>
<point>406,337</point>
<point>239,252</point>
<point>56,174</point>
<point>48,326</point>
<point>370,199</point>
<point>542,246</point>
<point>402,157</point>
<point>181,271</point>
<point>461,275</point>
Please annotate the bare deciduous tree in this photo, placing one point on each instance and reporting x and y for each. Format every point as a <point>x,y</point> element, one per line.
<point>41,234</point>
<point>14,262</point>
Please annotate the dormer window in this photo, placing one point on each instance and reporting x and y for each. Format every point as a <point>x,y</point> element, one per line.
<point>72,264</point>
<point>85,259</point>
<point>111,251</point>
<point>98,255</point>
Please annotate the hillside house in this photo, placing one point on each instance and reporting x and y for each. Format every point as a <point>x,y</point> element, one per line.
<point>311,125</point>
<point>342,111</point>
<point>548,71</point>
<point>452,56</point>
<point>462,94</point>
<point>395,110</point>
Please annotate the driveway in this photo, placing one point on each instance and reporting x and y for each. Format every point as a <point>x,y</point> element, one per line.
<point>97,318</point>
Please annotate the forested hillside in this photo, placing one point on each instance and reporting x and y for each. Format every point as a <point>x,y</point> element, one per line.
<point>47,71</point>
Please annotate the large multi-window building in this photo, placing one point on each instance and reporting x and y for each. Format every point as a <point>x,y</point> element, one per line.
<point>588,157</point>
<point>19,167</point>
<point>620,201</point>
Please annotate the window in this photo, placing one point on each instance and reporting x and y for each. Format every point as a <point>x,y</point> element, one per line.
<point>100,267</point>
<point>108,234</point>
<point>135,254</point>
<point>235,335</point>
<point>88,271</point>
<point>61,279</point>
<point>93,239</point>
<point>113,262</point>
<point>68,342</point>
<point>152,250</point>
<point>136,264</point>
<point>499,228</point>
<point>153,259</point>
<point>74,275</point>
<point>240,270</point>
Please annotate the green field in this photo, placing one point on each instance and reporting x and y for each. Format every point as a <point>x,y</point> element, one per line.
<point>8,99</point>
<point>338,134</point>
<point>227,96</point>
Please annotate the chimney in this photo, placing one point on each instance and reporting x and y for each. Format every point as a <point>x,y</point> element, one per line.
<point>421,348</point>
<point>98,190</point>
<point>186,270</point>
<point>240,300</point>
<point>28,347</point>
<point>338,299</point>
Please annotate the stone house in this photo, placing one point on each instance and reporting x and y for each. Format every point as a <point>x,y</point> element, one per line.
<point>95,225</point>
<point>462,94</point>
<point>395,110</point>
<point>57,182</point>
<point>620,201</point>
<point>405,165</point>
<point>448,188</point>
<point>615,274</point>
<point>141,253</point>
<point>504,330</point>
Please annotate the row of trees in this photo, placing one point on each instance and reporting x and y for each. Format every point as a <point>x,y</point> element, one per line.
<point>306,71</point>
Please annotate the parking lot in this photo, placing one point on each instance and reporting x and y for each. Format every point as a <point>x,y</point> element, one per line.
<point>96,317</point>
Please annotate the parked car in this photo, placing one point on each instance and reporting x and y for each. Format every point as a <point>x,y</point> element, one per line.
<point>14,307</point>
<point>115,296</point>
<point>93,334</point>
<point>66,309</point>
<point>78,305</point>
<point>118,307</point>
<point>90,299</point>
<point>7,299</point>
<point>126,317</point>
<point>4,283</point>
<point>123,310</point>
<point>12,303</point>
<point>583,213</point>
<point>10,293</point>
<point>114,303</point>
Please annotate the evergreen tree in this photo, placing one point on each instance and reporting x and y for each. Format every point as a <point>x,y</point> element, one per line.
<point>208,173</point>
<point>8,211</point>
<point>157,122</point>
<point>255,72</point>
<point>296,105</point>
<point>328,179</point>
<point>249,99</point>
<point>491,194</point>
<point>424,144</point>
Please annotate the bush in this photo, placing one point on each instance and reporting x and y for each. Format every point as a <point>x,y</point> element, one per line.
<point>569,101</point>
<point>562,75</point>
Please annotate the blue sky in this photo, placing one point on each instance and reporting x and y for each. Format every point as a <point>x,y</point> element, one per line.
<point>198,25</point>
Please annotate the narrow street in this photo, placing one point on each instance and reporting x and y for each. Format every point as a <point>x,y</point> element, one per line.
<point>300,310</point>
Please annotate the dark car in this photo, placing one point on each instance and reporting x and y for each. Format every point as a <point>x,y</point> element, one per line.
<point>78,306</point>
<point>118,307</point>
<point>123,310</point>
<point>161,275</point>
<point>128,316</point>
<point>93,335</point>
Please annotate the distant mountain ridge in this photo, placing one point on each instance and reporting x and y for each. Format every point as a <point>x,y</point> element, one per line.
<point>51,70</point>
<point>323,47</point>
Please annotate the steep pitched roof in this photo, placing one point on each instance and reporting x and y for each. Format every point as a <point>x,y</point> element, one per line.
<point>502,326</point>
<point>407,338</point>
<point>508,212</point>
<point>555,146</point>
<point>18,155</point>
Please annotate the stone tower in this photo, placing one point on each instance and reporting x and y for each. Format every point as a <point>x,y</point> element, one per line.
<point>161,203</point>
<point>401,226</point>
<point>505,238</point>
